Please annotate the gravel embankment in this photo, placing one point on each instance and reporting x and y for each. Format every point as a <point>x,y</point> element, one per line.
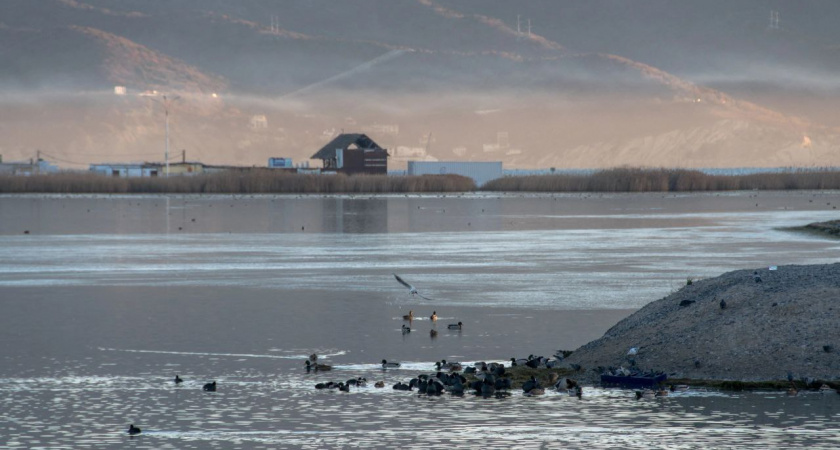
<point>787,322</point>
<point>831,228</point>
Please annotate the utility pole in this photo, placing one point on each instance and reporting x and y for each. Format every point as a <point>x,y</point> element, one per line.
<point>166,154</point>
<point>167,102</point>
<point>774,20</point>
<point>184,156</point>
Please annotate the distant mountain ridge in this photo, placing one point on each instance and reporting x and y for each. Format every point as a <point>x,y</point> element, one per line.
<point>414,69</point>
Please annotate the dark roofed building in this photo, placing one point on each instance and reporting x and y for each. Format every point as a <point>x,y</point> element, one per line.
<point>353,153</point>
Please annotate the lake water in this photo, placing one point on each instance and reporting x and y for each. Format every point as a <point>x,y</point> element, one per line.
<point>108,297</point>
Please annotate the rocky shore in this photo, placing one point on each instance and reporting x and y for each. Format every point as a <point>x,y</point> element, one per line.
<point>830,228</point>
<point>746,325</point>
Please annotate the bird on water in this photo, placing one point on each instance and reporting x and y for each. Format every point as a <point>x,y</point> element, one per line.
<point>132,430</point>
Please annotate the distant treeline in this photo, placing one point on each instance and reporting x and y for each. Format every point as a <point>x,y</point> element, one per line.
<point>666,180</point>
<point>275,182</point>
<point>233,182</point>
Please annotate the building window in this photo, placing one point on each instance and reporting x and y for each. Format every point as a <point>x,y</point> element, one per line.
<point>115,173</point>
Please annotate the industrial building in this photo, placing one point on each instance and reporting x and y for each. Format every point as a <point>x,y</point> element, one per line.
<point>353,153</point>
<point>128,170</point>
<point>26,168</point>
<point>146,169</point>
<point>480,172</point>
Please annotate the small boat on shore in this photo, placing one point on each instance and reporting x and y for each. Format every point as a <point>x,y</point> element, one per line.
<point>633,381</point>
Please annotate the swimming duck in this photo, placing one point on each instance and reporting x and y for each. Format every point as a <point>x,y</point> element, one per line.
<point>405,329</point>
<point>499,370</point>
<point>358,382</point>
<point>535,391</point>
<point>679,388</point>
<point>450,366</point>
<point>132,430</point>
<point>825,389</point>
<point>503,384</point>
<point>662,393</point>
<point>565,384</point>
<point>792,391</point>
<point>488,389</point>
<point>379,384</point>
<point>210,387</point>
<point>533,363</point>
<point>433,333</point>
<point>433,318</point>
<point>517,362</point>
<point>409,316</point>
<point>389,365</point>
<point>455,326</point>
<point>531,384</point>
<point>578,391</point>
<point>178,379</point>
<point>646,394</point>
<point>316,367</point>
<point>343,387</point>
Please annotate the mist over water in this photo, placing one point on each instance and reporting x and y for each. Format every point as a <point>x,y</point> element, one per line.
<point>109,297</point>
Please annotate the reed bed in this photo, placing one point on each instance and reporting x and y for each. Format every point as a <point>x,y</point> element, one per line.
<point>666,180</point>
<point>233,182</point>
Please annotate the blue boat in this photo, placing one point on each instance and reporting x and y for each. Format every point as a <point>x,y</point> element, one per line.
<point>633,381</point>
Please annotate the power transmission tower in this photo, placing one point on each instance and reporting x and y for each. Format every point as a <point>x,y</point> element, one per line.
<point>774,20</point>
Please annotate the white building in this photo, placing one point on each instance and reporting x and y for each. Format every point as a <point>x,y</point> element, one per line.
<point>128,170</point>
<point>480,172</point>
<point>258,122</point>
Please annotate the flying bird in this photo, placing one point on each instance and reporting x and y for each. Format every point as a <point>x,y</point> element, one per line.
<point>411,289</point>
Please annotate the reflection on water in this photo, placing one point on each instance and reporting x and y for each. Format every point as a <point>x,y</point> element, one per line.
<point>285,410</point>
<point>109,297</point>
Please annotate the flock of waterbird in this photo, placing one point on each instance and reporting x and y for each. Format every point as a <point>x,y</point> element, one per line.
<point>406,329</point>
<point>486,379</point>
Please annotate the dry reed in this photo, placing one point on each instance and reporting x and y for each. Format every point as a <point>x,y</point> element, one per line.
<point>666,180</point>
<point>234,182</point>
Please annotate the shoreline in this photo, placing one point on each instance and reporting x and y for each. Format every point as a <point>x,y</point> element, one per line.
<point>829,229</point>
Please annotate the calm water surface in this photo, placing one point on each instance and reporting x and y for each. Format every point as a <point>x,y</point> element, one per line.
<point>108,297</point>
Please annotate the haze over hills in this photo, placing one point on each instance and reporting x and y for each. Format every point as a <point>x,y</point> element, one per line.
<point>594,84</point>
